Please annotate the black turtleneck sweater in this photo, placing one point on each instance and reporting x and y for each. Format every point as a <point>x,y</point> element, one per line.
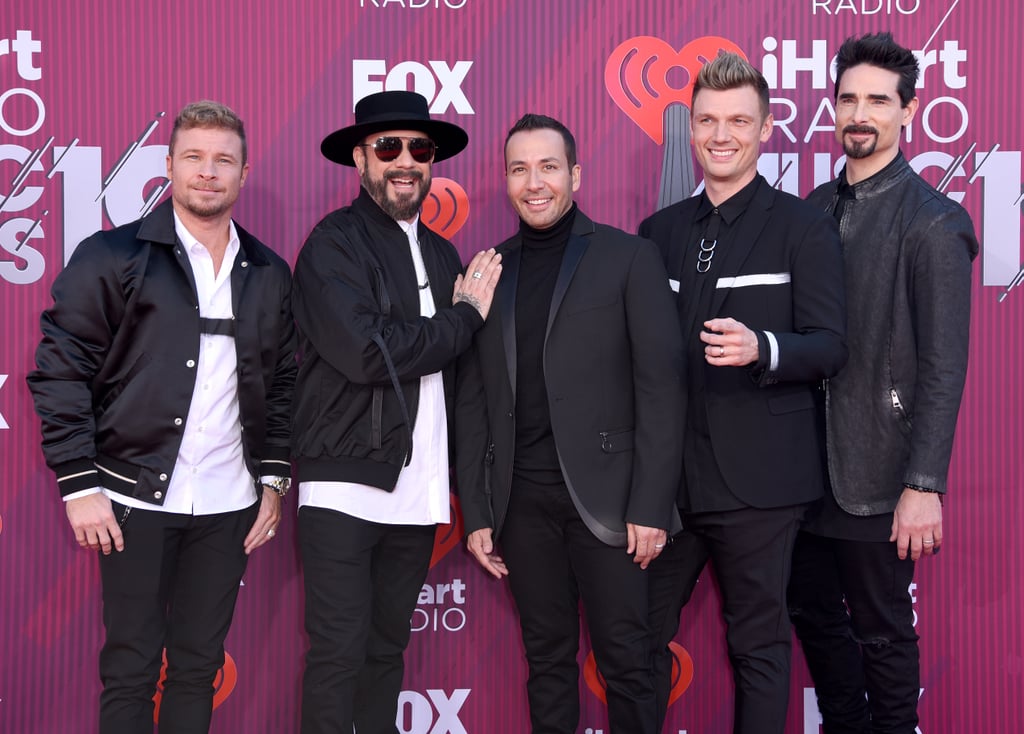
<point>536,459</point>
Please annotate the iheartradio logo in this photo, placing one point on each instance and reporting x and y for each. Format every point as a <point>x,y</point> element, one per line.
<point>446,207</point>
<point>223,684</point>
<point>682,674</point>
<point>447,536</point>
<point>643,74</point>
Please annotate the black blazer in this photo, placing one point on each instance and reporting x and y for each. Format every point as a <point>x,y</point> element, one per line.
<point>782,277</point>
<point>612,365</point>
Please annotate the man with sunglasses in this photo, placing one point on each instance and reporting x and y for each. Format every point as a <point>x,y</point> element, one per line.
<point>383,312</point>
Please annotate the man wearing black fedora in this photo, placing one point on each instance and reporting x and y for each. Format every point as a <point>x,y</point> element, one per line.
<point>383,311</point>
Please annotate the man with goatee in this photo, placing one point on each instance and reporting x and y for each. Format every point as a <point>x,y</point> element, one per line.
<point>891,412</point>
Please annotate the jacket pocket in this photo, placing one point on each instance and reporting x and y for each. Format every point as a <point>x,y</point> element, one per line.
<point>613,442</point>
<point>781,404</point>
<point>900,408</point>
<point>140,363</point>
<point>376,413</point>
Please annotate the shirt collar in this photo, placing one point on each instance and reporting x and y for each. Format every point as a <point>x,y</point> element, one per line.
<point>191,242</point>
<point>410,228</point>
<point>845,188</point>
<point>730,209</point>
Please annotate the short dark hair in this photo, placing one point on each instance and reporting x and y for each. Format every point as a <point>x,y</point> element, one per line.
<point>530,121</point>
<point>731,71</point>
<point>879,49</point>
<point>208,114</point>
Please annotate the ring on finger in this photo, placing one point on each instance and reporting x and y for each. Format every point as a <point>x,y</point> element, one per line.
<point>928,542</point>
<point>477,275</point>
<point>271,533</point>
<point>721,351</point>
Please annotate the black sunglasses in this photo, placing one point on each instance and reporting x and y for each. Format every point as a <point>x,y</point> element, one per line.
<point>389,147</point>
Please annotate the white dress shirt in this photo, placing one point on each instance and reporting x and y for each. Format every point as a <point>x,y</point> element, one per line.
<point>421,495</point>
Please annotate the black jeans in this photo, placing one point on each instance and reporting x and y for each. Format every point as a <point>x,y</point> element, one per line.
<point>362,580</point>
<point>862,652</point>
<point>174,585</point>
<point>554,560</point>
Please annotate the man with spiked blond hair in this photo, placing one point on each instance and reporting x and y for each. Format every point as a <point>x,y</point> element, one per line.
<point>758,277</point>
<point>167,337</point>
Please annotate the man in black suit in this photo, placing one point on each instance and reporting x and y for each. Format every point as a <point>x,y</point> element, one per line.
<point>569,434</point>
<point>759,278</point>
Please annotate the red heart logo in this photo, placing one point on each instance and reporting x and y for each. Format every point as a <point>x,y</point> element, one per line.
<point>448,536</point>
<point>682,674</point>
<point>223,684</point>
<point>637,76</point>
<point>446,207</point>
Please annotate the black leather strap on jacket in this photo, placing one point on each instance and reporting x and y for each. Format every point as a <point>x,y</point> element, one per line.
<point>385,306</point>
<point>217,327</point>
<point>393,374</point>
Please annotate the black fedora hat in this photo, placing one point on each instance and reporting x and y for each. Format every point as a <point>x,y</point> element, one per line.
<point>393,111</point>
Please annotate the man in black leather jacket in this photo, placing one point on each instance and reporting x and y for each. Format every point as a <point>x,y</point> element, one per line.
<point>891,412</point>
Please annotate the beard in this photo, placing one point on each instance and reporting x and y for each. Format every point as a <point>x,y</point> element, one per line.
<point>202,207</point>
<point>859,149</point>
<point>406,205</point>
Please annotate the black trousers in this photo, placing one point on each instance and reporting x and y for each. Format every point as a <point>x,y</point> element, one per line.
<point>852,611</point>
<point>750,550</point>
<point>173,586</point>
<point>553,561</point>
<point>362,581</point>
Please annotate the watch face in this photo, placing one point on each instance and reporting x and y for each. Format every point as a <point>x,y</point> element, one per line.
<point>280,485</point>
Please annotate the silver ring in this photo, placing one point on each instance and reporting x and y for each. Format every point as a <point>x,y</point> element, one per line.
<point>721,351</point>
<point>477,275</point>
<point>271,533</point>
<point>928,542</point>
<point>656,545</point>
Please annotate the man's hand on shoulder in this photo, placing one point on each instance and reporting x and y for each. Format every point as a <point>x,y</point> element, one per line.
<point>477,287</point>
<point>92,519</point>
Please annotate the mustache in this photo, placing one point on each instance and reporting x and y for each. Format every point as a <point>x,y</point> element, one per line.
<point>418,175</point>
<point>863,129</point>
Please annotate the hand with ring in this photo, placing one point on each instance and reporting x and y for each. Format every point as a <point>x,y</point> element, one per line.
<point>729,343</point>
<point>477,288</point>
<point>644,543</point>
<point>267,518</point>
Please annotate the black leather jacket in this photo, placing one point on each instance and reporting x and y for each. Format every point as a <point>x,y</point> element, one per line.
<point>891,412</point>
<point>116,365</point>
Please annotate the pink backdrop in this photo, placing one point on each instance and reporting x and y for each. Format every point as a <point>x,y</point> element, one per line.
<point>87,90</point>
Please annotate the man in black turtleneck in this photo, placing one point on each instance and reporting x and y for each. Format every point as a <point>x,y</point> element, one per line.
<point>569,447</point>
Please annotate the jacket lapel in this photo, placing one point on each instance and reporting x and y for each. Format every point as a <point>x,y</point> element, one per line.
<point>751,223</point>
<point>574,251</point>
<point>505,293</point>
